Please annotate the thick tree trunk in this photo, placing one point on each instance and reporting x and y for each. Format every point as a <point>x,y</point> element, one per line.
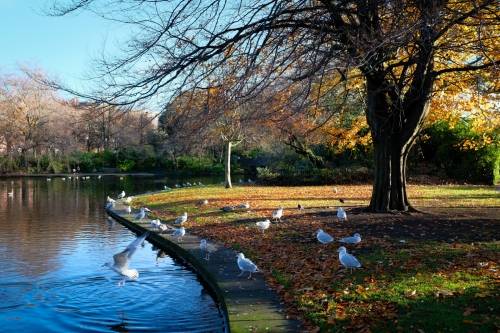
<point>394,128</point>
<point>227,166</point>
<point>389,187</point>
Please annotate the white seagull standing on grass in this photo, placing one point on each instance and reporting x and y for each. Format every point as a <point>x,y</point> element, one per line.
<point>121,260</point>
<point>246,265</point>
<point>181,219</point>
<point>245,205</point>
<point>348,260</point>
<point>341,214</point>
<point>263,225</point>
<point>323,237</point>
<point>277,214</point>
<point>354,239</point>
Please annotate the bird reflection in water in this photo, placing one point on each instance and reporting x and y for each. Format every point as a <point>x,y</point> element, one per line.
<point>159,256</point>
<point>121,327</point>
<point>110,222</point>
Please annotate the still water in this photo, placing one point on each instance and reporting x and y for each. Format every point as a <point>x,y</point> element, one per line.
<point>54,239</point>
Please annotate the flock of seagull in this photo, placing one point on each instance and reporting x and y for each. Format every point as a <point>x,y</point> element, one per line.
<point>120,264</point>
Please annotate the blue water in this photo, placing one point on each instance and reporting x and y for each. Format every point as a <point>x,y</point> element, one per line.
<point>54,239</point>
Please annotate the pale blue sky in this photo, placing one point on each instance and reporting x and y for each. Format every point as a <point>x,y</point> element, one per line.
<point>63,46</point>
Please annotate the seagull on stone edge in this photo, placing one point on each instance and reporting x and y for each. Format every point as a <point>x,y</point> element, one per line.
<point>121,260</point>
<point>246,265</point>
<point>206,248</point>
<point>179,233</point>
<point>121,195</point>
<point>354,239</point>
<point>141,215</point>
<point>263,225</point>
<point>277,214</point>
<point>341,214</point>
<point>348,260</point>
<point>181,219</point>
<point>323,237</point>
<point>155,224</point>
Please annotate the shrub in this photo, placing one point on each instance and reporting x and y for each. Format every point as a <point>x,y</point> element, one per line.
<point>463,153</point>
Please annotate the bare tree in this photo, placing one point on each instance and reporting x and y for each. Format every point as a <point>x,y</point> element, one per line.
<point>401,47</point>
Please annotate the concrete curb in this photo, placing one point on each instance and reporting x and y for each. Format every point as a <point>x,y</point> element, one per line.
<point>248,305</point>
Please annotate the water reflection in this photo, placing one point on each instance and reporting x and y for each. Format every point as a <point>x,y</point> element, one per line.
<point>54,238</point>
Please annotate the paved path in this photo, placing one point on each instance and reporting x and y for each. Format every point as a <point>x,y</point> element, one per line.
<point>249,305</point>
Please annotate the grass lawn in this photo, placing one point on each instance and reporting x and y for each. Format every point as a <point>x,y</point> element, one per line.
<point>425,272</point>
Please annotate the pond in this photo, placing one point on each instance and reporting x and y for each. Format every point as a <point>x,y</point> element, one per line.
<point>54,239</point>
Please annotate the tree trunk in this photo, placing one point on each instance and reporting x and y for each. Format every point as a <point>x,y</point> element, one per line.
<point>227,166</point>
<point>394,128</point>
<point>389,187</point>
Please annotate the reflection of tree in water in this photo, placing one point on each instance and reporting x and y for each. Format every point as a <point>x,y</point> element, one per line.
<point>37,223</point>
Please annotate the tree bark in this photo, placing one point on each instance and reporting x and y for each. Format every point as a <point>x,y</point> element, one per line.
<point>394,128</point>
<point>227,166</point>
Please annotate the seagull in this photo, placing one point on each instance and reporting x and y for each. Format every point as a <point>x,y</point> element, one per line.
<point>63,178</point>
<point>99,177</point>
<point>141,214</point>
<point>263,225</point>
<point>48,179</point>
<point>147,209</point>
<point>128,209</point>
<point>206,248</point>
<point>121,195</point>
<point>181,219</point>
<point>166,188</point>
<point>347,260</point>
<point>200,184</point>
<point>246,265</point>
<point>278,213</point>
<point>354,239</point>
<point>163,227</point>
<point>203,202</point>
<point>341,214</point>
<point>155,224</point>
<point>11,193</point>
<point>177,186</point>
<point>245,205</point>
<point>179,233</point>
<point>109,199</point>
<point>227,208</point>
<point>121,260</point>
<point>323,237</point>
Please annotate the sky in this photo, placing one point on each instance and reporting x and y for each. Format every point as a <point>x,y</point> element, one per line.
<point>61,46</point>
